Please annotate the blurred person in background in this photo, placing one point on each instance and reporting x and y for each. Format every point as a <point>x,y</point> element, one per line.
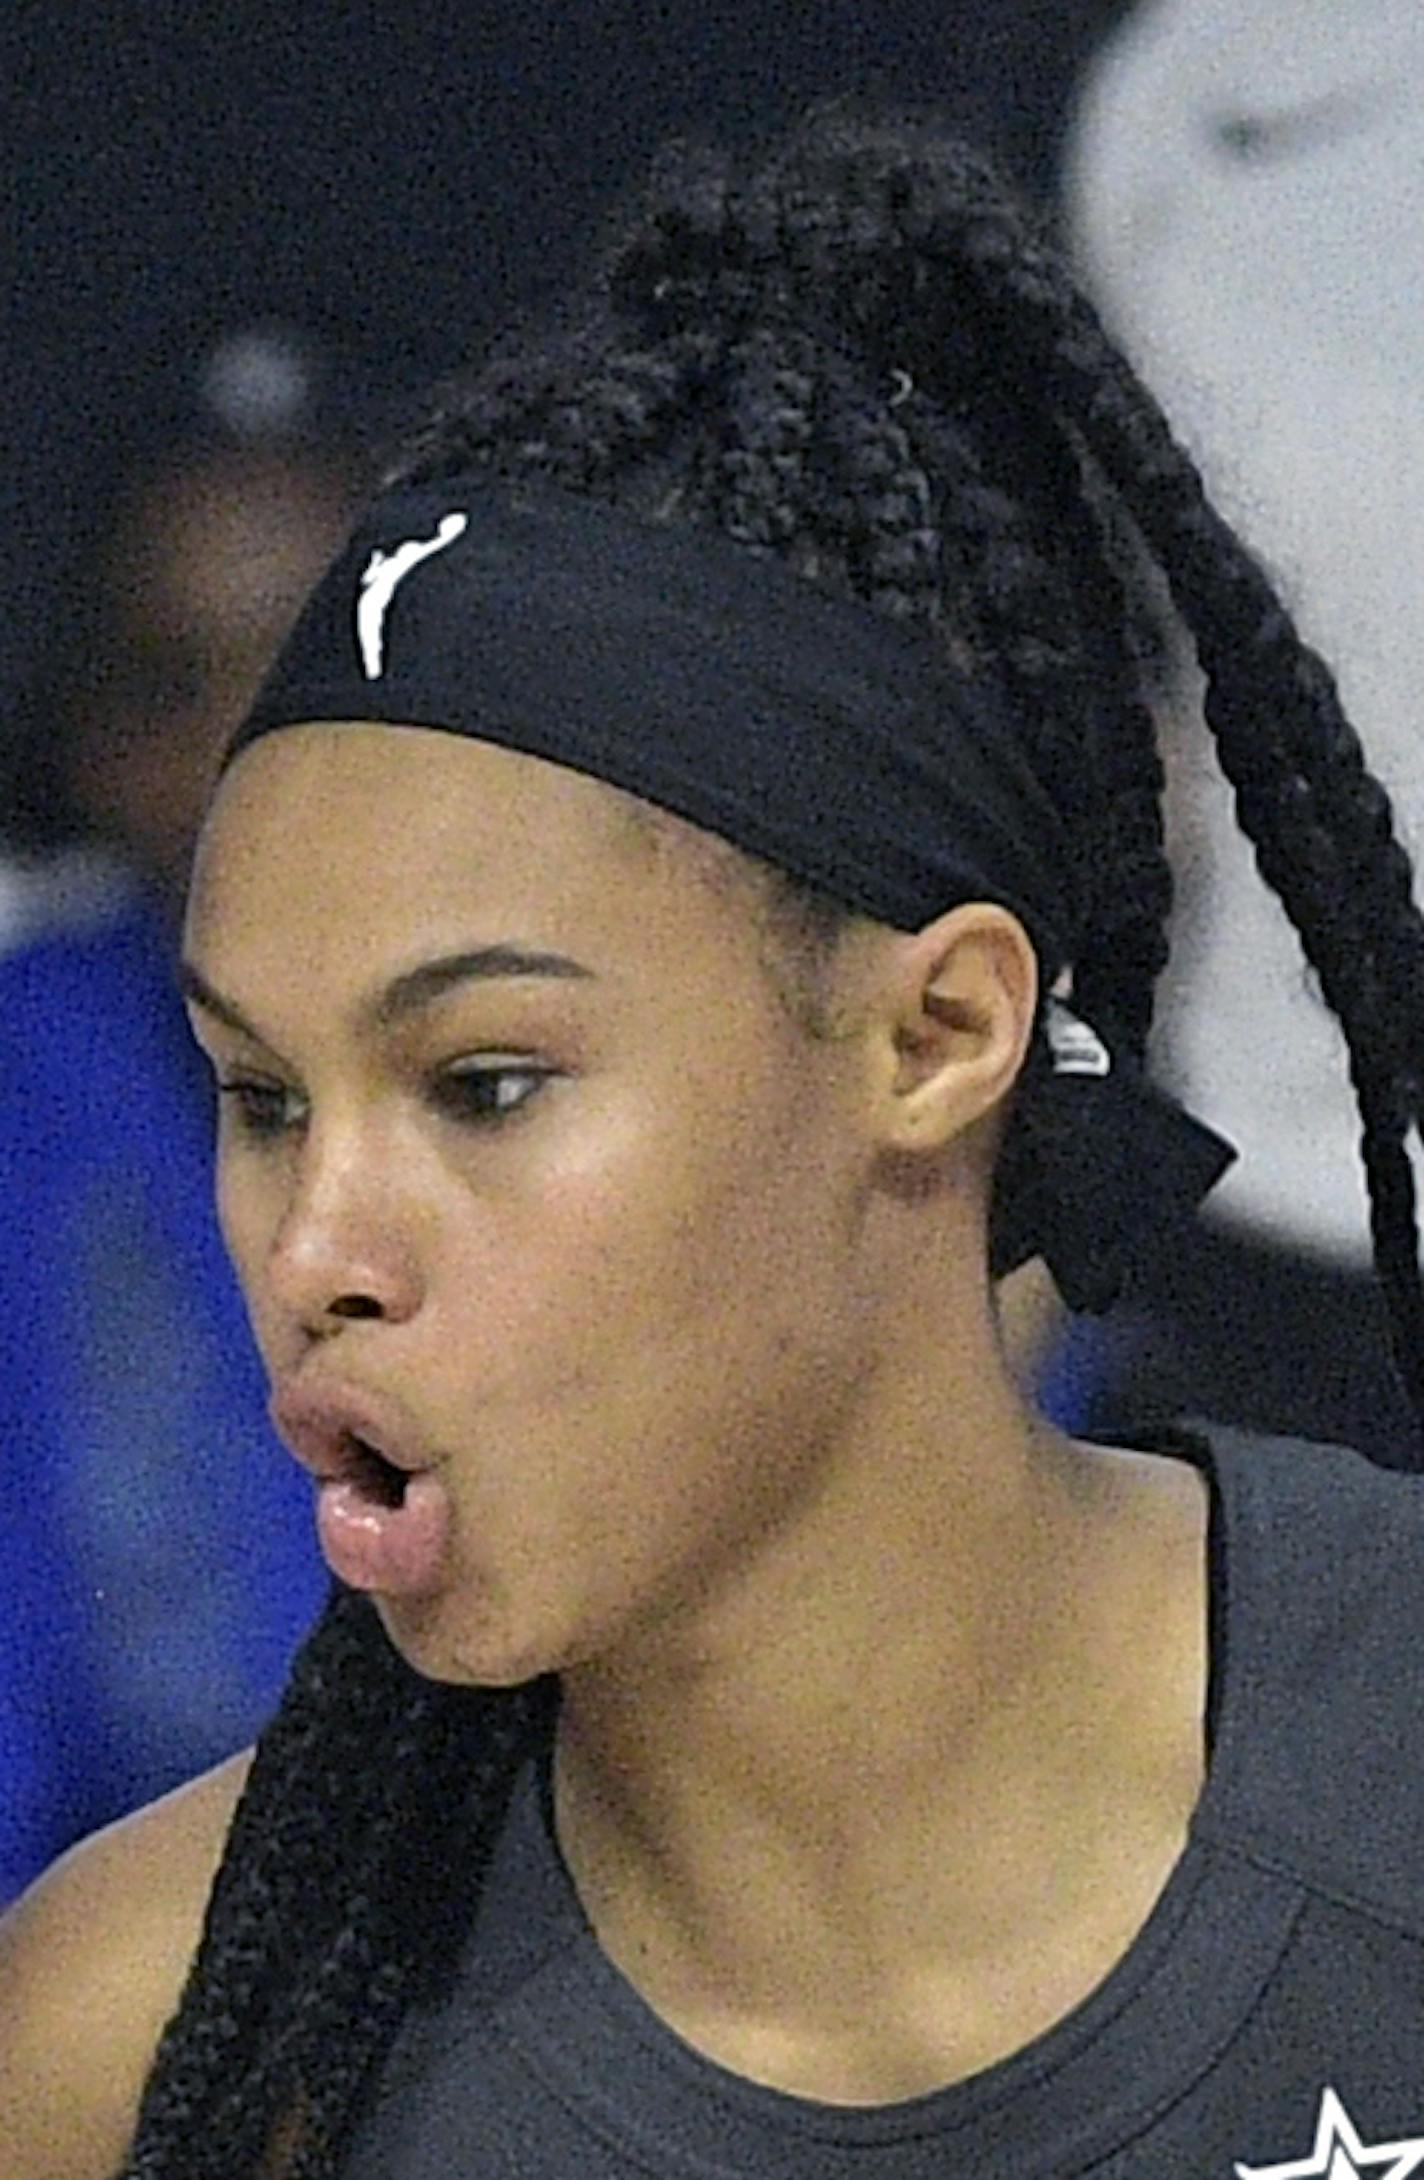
<point>1244,184</point>
<point>131,1410</point>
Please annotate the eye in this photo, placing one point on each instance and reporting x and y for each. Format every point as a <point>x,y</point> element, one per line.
<point>261,1110</point>
<point>486,1096</point>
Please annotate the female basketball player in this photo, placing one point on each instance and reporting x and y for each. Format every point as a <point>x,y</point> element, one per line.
<point>680,922</point>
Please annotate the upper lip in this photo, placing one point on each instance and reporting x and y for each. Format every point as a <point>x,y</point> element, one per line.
<point>321,1423</point>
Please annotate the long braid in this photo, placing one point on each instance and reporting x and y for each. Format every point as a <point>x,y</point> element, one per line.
<point>1320,823</point>
<point>771,382</point>
<point>451,1767</point>
<point>307,1771</point>
<point>858,358</point>
<point>1124,946</point>
<point>369,1792</point>
<point>1267,691</point>
<point>1024,559</point>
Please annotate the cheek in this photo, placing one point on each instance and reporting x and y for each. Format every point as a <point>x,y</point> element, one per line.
<point>248,1213</point>
<point>645,1295</point>
<point>235,1209</point>
<point>645,1409</point>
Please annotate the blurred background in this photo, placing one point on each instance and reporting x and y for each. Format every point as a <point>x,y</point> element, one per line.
<point>241,242</point>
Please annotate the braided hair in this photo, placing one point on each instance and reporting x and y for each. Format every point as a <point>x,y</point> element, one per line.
<point>855,353</point>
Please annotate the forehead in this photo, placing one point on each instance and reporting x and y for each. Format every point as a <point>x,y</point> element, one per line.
<point>347,846</point>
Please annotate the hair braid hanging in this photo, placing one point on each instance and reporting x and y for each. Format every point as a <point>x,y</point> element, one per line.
<point>1320,823</point>
<point>323,1921</point>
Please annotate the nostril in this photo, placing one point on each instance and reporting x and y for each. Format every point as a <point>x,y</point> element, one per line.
<point>354,1305</point>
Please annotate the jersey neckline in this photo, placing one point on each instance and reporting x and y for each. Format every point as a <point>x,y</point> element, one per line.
<point>1154,2025</point>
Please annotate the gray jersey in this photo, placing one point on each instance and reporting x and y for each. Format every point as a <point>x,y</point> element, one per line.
<point>1268,2021</point>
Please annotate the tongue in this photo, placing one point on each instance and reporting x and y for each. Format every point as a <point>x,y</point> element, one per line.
<point>398,1551</point>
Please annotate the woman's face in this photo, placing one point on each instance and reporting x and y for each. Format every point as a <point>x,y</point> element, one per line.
<point>578,1223</point>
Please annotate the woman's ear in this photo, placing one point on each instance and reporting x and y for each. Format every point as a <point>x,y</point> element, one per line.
<point>958,1014</point>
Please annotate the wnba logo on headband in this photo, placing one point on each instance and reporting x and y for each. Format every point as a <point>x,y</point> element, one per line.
<point>383,575</point>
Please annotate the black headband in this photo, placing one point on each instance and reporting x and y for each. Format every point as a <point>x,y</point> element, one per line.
<point>816,733</point>
<point>669,661</point>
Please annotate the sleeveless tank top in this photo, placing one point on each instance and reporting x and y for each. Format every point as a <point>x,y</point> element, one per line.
<point>1267,2022</point>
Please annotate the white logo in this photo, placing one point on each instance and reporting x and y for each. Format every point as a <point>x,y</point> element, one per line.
<point>384,574</point>
<point>1339,2153</point>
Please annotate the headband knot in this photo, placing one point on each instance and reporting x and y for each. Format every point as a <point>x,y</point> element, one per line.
<point>1098,1164</point>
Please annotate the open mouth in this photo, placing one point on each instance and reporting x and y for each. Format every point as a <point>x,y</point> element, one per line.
<point>374,1476</point>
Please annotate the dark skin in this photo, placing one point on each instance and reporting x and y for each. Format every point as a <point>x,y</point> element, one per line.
<point>882,1702</point>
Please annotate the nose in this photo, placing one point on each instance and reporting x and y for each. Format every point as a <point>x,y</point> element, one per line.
<point>346,1245</point>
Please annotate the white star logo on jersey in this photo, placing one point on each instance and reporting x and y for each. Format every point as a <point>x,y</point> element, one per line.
<point>382,577</point>
<point>1339,2153</point>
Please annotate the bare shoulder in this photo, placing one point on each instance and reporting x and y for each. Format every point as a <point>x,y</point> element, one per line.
<point>92,1963</point>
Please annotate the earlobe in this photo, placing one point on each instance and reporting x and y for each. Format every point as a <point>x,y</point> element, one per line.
<point>962,1020</point>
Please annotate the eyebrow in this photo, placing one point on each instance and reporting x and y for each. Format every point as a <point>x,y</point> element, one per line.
<point>405,994</point>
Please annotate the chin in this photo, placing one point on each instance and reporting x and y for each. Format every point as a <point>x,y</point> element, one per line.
<point>462,1648</point>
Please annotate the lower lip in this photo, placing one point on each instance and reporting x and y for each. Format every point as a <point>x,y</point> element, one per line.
<point>395,1551</point>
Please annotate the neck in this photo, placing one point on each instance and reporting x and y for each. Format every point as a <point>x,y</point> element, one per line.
<point>912,1708</point>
